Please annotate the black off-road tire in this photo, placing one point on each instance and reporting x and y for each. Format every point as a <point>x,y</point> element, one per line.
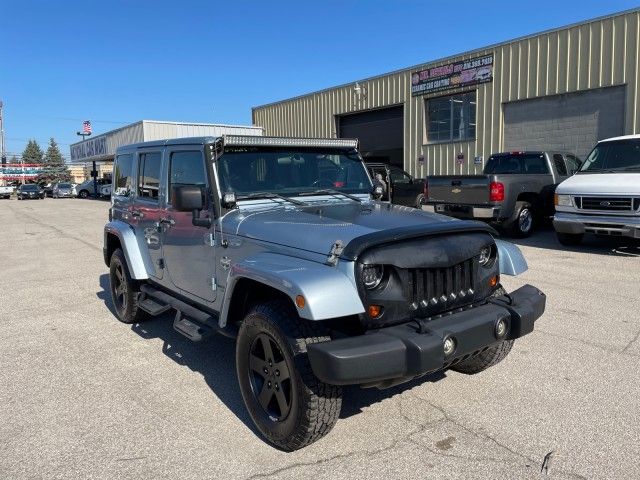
<point>125,291</point>
<point>524,220</point>
<point>490,357</point>
<point>313,406</point>
<point>419,199</point>
<point>569,239</point>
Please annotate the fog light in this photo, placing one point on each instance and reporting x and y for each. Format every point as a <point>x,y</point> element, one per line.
<point>449,346</point>
<point>501,328</point>
<point>374,311</point>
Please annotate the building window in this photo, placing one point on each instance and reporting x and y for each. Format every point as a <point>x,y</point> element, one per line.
<point>451,119</point>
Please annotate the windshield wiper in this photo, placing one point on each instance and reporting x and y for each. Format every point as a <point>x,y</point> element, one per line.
<point>268,195</point>
<point>335,193</point>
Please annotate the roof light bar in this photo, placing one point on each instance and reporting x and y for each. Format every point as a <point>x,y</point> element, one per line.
<point>255,141</point>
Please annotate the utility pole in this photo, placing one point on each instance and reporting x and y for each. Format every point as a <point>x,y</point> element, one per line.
<point>3,154</point>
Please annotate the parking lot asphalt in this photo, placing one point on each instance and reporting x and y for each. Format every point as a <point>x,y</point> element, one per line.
<point>84,396</point>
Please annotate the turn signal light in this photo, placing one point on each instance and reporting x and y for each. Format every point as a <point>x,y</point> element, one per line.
<point>493,281</point>
<point>300,302</point>
<point>374,311</point>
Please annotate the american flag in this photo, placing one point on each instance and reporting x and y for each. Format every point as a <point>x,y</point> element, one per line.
<point>86,126</point>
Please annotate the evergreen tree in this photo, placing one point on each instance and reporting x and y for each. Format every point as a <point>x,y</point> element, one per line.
<point>32,153</point>
<point>54,169</point>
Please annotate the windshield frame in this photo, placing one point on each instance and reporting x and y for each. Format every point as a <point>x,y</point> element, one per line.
<point>605,169</point>
<point>350,153</point>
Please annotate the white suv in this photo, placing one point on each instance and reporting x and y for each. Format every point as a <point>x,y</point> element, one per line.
<point>604,196</point>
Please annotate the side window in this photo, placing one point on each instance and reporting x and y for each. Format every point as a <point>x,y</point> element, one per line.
<point>535,165</point>
<point>573,164</point>
<point>186,168</point>
<point>149,175</point>
<point>123,175</point>
<point>399,176</point>
<point>559,163</point>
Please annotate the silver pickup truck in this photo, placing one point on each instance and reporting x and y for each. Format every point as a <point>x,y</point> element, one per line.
<point>515,191</point>
<point>281,244</point>
<point>5,192</point>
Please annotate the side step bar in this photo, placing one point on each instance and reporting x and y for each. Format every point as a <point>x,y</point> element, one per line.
<point>193,323</point>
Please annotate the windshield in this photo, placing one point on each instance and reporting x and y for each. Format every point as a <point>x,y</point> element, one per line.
<point>516,163</point>
<point>618,156</point>
<point>64,185</point>
<point>30,188</point>
<point>291,172</point>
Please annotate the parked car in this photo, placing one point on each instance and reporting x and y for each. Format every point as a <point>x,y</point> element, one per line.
<point>603,198</point>
<point>29,191</point>
<point>320,286</point>
<point>86,189</point>
<point>399,186</point>
<point>47,189</point>
<point>515,190</point>
<point>105,191</point>
<point>62,190</point>
<point>5,192</point>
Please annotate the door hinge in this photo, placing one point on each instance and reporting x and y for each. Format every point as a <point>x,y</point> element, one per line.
<point>213,284</point>
<point>160,263</point>
<point>210,239</point>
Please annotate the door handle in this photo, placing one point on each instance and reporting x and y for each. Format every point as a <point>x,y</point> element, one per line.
<point>137,214</point>
<point>167,221</point>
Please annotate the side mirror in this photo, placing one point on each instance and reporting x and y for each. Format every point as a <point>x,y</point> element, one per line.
<point>187,198</point>
<point>191,197</point>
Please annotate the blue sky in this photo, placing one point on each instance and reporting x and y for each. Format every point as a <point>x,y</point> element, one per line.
<point>116,62</point>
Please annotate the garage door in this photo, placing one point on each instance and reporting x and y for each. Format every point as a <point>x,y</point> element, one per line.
<point>381,133</point>
<point>573,122</point>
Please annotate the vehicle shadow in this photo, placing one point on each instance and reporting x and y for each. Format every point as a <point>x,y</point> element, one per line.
<point>545,238</point>
<point>214,359</point>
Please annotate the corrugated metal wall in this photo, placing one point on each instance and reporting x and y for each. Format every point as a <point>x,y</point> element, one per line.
<point>594,54</point>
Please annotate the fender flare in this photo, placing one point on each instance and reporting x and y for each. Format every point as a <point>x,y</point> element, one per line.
<point>130,248</point>
<point>511,259</point>
<point>327,291</point>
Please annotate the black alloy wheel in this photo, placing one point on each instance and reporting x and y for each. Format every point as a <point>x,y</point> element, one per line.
<point>270,377</point>
<point>120,288</point>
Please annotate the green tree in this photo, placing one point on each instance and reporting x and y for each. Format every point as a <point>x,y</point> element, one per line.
<point>54,168</point>
<point>32,153</point>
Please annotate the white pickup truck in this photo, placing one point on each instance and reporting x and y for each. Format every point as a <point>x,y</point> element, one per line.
<point>5,192</point>
<point>603,197</point>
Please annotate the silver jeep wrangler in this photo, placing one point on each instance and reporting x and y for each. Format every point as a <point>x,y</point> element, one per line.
<point>281,243</point>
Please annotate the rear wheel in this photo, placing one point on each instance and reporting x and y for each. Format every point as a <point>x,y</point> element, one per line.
<point>124,290</point>
<point>83,194</point>
<point>569,239</point>
<point>290,406</point>
<point>493,355</point>
<point>523,224</point>
<point>419,200</point>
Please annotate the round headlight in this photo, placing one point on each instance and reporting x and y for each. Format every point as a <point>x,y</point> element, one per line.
<point>485,256</point>
<point>372,276</point>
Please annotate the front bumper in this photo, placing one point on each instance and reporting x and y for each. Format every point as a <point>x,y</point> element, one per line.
<point>407,351</point>
<point>463,211</point>
<point>578,224</point>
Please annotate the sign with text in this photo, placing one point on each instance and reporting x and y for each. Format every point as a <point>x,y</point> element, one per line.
<point>453,75</point>
<point>89,148</point>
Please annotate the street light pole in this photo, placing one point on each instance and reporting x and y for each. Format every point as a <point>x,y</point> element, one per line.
<point>94,171</point>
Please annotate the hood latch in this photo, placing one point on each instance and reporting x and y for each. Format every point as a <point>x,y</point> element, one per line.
<point>335,252</point>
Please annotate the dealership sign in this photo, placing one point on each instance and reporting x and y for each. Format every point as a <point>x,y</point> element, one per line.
<point>89,148</point>
<point>453,75</point>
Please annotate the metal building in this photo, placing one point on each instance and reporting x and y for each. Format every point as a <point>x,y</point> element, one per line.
<point>561,89</point>
<point>103,147</point>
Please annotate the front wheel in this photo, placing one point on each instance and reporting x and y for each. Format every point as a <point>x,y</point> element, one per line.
<point>290,406</point>
<point>83,194</point>
<point>491,356</point>
<point>569,239</point>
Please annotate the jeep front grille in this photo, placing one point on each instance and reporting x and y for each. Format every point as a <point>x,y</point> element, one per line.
<point>441,288</point>
<point>612,204</point>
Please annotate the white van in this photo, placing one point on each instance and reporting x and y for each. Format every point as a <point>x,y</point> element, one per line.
<point>603,197</point>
